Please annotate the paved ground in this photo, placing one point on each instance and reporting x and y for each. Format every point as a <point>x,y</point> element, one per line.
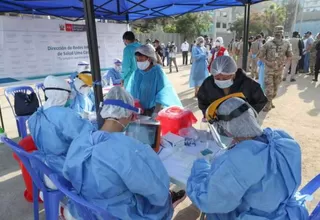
<point>297,111</point>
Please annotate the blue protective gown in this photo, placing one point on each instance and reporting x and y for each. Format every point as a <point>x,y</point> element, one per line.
<point>199,69</point>
<point>119,174</point>
<point>129,63</point>
<point>53,130</point>
<point>153,87</point>
<point>261,74</point>
<point>81,103</point>
<point>114,75</point>
<point>255,180</point>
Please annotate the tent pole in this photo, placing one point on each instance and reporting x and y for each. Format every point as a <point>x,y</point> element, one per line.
<point>94,55</point>
<point>246,36</point>
<point>128,22</point>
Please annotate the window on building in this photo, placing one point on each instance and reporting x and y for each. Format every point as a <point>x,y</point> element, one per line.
<point>218,25</point>
<point>224,25</point>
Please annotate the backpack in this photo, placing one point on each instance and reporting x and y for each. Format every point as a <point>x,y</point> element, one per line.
<point>25,104</point>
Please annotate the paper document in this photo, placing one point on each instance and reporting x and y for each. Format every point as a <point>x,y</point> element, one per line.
<point>179,167</point>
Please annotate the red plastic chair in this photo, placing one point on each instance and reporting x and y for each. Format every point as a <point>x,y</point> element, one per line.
<point>28,145</point>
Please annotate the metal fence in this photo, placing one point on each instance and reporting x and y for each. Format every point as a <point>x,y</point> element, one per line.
<point>162,37</point>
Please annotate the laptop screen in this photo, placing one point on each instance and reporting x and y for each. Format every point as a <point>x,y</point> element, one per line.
<point>145,133</point>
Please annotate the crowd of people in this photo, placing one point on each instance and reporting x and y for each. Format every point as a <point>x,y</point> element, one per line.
<point>270,60</point>
<point>128,179</point>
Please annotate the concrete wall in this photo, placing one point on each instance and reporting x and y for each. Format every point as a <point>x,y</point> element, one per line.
<point>162,37</point>
<point>313,26</point>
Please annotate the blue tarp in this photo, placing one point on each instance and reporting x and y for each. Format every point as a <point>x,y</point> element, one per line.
<point>120,10</point>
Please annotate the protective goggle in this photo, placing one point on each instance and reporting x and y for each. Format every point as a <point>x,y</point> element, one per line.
<point>212,115</point>
<point>54,88</point>
<point>59,89</point>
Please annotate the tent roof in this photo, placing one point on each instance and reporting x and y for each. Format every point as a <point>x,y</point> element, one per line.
<point>120,10</point>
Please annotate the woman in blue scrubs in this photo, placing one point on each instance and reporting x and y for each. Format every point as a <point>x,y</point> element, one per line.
<point>113,76</point>
<point>258,175</point>
<point>82,95</point>
<point>150,84</point>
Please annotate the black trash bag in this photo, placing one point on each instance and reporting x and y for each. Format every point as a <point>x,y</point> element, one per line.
<point>25,104</point>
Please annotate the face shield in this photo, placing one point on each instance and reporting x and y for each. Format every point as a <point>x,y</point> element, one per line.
<point>221,133</point>
<point>86,78</point>
<point>119,103</point>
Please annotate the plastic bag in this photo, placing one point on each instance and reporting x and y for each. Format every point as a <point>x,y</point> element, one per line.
<point>190,132</point>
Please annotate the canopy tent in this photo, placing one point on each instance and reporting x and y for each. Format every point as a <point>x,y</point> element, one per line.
<point>121,10</point>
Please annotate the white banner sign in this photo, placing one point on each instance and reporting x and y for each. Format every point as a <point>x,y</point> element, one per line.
<point>35,47</point>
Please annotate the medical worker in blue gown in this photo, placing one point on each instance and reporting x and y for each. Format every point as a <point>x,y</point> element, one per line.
<point>199,69</point>
<point>261,74</point>
<point>54,126</point>
<point>82,95</point>
<point>113,76</point>
<point>117,172</point>
<point>256,178</point>
<point>150,84</point>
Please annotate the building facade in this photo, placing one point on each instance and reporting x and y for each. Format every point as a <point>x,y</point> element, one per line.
<point>311,5</point>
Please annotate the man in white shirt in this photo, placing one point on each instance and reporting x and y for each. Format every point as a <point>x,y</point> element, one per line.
<point>185,51</point>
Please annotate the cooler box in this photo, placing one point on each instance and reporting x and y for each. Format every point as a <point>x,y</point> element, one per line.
<point>174,118</point>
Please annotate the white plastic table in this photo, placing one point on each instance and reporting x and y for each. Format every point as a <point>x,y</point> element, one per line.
<point>178,162</point>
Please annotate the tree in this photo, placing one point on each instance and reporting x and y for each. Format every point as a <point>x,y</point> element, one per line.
<point>273,16</point>
<point>170,28</point>
<point>256,25</point>
<point>193,24</point>
<point>149,25</point>
<point>264,21</point>
<point>190,25</point>
<point>290,13</point>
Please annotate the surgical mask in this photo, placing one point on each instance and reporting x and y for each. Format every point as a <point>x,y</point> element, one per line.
<point>277,36</point>
<point>218,44</point>
<point>202,44</point>
<point>68,103</point>
<point>143,65</point>
<point>118,68</point>
<point>223,84</point>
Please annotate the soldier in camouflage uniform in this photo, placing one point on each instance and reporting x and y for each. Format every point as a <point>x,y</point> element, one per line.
<point>313,55</point>
<point>274,54</point>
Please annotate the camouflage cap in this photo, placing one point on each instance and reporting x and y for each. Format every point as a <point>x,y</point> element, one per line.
<point>279,29</point>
